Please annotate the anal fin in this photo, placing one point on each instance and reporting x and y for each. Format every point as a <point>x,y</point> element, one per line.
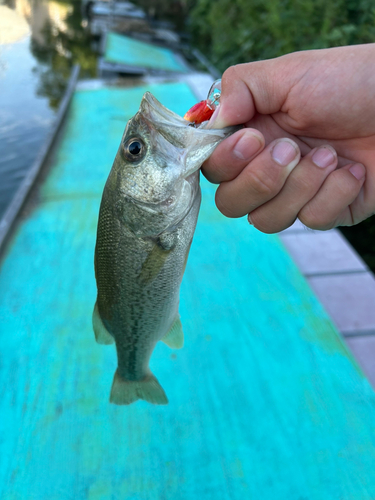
<point>102,335</point>
<point>174,338</point>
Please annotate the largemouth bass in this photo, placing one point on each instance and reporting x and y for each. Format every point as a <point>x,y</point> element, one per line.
<point>147,219</point>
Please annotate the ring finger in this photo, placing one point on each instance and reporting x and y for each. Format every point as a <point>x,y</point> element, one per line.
<point>300,187</point>
<point>260,181</point>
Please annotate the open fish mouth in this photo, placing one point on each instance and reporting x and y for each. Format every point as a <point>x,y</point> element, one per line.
<point>196,144</point>
<point>154,110</point>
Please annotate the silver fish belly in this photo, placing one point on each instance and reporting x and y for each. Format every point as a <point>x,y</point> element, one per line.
<point>146,224</point>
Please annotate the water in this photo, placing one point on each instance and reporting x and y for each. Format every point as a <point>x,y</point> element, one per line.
<point>39,43</point>
<point>25,118</point>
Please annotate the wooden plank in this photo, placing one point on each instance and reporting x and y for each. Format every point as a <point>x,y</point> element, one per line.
<point>349,299</point>
<point>123,50</point>
<point>323,253</point>
<point>342,281</point>
<point>265,399</point>
<point>363,348</point>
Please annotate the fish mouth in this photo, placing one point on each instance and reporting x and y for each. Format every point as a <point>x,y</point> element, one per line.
<point>156,113</point>
<point>197,143</point>
<point>154,110</point>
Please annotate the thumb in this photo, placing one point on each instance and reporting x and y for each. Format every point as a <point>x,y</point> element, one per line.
<point>251,88</point>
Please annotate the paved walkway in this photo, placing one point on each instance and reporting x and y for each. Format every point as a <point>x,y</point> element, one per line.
<point>343,283</point>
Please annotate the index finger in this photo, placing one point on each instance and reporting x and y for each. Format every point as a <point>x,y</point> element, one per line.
<point>232,155</point>
<point>246,89</point>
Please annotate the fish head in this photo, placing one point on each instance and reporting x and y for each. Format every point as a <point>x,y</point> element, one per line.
<point>157,165</point>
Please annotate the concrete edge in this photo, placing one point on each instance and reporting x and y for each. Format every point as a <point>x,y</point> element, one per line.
<point>346,291</point>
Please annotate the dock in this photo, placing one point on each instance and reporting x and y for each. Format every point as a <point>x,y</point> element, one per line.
<point>266,399</point>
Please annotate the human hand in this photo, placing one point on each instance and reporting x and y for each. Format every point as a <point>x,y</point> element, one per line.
<point>314,104</point>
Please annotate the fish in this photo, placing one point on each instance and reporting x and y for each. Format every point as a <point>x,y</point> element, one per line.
<point>147,218</point>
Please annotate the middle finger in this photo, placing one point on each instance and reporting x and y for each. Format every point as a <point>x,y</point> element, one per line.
<point>300,187</point>
<point>260,181</point>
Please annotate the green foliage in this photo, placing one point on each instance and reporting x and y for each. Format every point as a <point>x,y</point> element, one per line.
<point>234,31</point>
<point>174,11</point>
<point>59,50</point>
<point>362,237</point>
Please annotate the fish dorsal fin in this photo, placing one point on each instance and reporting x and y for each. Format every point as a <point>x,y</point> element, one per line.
<point>174,338</point>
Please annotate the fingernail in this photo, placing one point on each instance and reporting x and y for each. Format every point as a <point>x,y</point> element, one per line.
<point>249,220</point>
<point>215,121</point>
<point>284,152</point>
<point>358,171</point>
<point>323,157</point>
<point>247,146</point>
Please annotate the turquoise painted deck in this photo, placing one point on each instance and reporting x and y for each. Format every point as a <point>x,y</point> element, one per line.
<point>265,400</point>
<point>121,49</point>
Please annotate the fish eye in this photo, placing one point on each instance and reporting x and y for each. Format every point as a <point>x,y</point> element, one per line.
<point>134,149</point>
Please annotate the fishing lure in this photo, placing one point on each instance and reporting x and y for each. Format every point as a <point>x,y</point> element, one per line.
<point>203,110</point>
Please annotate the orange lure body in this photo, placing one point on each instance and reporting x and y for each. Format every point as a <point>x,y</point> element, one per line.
<point>199,113</point>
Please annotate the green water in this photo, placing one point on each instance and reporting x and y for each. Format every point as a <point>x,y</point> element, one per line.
<point>34,70</point>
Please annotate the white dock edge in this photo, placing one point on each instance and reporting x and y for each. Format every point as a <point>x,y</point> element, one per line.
<point>342,282</point>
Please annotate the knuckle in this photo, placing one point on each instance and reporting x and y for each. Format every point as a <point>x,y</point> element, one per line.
<point>302,184</point>
<point>262,224</point>
<point>261,183</point>
<point>311,218</point>
<point>212,171</point>
<point>229,75</point>
<point>303,121</point>
<point>269,222</point>
<point>225,205</point>
<point>308,218</point>
<point>211,177</point>
<point>215,169</point>
<point>345,183</point>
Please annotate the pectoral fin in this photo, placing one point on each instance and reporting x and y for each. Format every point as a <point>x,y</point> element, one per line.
<point>102,335</point>
<point>153,264</point>
<point>174,338</point>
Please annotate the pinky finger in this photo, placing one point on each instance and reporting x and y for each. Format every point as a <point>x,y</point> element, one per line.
<point>330,207</point>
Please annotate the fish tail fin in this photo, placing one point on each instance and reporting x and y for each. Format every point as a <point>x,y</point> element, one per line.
<point>125,392</point>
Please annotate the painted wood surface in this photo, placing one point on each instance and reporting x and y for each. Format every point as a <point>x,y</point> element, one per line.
<point>265,400</point>
<point>122,49</point>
